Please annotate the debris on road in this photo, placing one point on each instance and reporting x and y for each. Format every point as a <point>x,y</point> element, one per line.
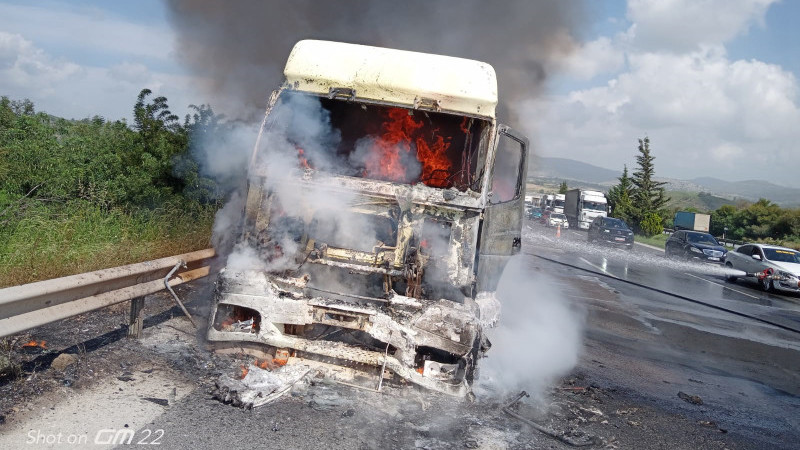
<point>258,386</point>
<point>157,401</point>
<point>693,399</point>
<point>572,438</point>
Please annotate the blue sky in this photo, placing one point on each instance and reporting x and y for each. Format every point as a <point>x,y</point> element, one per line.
<point>713,83</point>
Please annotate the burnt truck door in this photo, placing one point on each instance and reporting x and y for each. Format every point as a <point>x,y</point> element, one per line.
<point>501,228</point>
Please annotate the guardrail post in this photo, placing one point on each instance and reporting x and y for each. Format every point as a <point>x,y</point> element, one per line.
<point>136,321</point>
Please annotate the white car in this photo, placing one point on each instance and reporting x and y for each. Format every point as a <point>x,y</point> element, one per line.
<point>555,219</point>
<point>757,258</point>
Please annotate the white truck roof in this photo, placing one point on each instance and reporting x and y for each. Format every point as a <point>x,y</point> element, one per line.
<point>393,76</point>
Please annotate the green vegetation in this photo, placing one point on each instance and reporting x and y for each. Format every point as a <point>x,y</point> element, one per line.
<point>639,200</point>
<point>563,188</point>
<point>87,194</point>
<point>643,204</point>
<point>657,240</point>
<point>696,201</point>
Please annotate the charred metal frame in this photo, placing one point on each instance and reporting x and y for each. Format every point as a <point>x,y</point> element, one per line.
<point>432,342</point>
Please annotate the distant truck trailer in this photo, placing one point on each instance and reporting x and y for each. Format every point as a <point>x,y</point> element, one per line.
<point>558,203</point>
<point>582,206</point>
<point>691,221</point>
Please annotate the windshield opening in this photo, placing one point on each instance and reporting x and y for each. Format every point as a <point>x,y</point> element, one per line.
<point>615,223</point>
<point>594,206</point>
<point>780,255</point>
<point>701,238</point>
<point>382,142</point>
<point>558,203</point>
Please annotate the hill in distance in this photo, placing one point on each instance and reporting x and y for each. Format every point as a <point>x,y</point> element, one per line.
<point>546,171</point>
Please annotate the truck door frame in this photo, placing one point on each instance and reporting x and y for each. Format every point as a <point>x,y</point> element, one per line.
<point>500,235</point>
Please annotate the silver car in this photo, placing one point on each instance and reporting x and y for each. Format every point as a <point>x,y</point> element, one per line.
<point>783,264</point>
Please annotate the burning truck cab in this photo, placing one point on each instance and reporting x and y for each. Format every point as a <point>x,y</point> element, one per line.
<point>383,203</point>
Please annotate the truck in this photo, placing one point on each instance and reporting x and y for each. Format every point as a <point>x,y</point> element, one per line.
<point>383,202</point>
<point>582,206</point>
<point>685,220</point>
<point>558,203</point>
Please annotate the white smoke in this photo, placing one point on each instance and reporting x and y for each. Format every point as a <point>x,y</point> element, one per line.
<point>297,124</point>
<point>538,338</point>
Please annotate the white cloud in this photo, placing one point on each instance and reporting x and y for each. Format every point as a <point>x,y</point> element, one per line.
<point>64,88</point>
<point>89,29</point>
<point>683,25</point>
<point>701,110</point>
<point>593,58</point>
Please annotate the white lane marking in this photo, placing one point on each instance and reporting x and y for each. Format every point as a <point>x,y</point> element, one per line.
<point>598,268</point>
<point>726,287</point>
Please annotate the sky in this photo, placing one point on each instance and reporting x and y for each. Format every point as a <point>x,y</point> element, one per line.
<point>712,83</point>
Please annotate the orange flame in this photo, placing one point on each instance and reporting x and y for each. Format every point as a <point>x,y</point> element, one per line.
<point>41,344</point>
<point>301,157</point>
<point>264,364</point>
<point>400,131</point>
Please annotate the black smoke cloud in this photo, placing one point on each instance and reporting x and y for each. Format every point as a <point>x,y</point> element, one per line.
<point>238,48</point>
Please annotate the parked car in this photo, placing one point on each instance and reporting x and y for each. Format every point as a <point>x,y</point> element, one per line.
<point>756,258</point>
<point>612,231</point>
<point>555,219</point>
<point>535,213</point>
<point>694,245</point>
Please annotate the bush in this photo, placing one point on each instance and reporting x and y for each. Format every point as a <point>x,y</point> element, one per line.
<point>651,224</point>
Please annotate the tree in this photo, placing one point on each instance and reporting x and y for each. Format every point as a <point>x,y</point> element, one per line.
<point>648,194</point>
<point>619,197</point>
<point>563,188</point>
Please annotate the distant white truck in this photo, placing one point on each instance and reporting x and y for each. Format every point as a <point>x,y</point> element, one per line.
<point>558,203</point>
<point>582,206</point>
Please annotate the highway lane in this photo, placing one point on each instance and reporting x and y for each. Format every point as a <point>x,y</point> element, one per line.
<point>643,265</point>
<point>652,344</point>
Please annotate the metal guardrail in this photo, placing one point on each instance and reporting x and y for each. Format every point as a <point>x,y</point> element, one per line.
<point>35,304</point>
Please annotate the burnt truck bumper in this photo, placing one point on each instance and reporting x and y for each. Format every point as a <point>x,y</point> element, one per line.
<point>433,344</point>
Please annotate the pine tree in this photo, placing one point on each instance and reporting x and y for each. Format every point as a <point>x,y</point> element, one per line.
<point>619,197</point>
<point>563,188</point>
<point>648,195</point>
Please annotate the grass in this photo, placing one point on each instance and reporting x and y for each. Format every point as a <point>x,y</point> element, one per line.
<point>657,241</point>
<point>54,241</point>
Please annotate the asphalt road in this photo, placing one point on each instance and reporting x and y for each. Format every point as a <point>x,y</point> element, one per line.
<point>655,345</point>
<point>653,371</point>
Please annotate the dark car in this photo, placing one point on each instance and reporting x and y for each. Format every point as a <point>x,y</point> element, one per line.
<point>694,245</point>
<point>612,231</point>
<point>535,213</point>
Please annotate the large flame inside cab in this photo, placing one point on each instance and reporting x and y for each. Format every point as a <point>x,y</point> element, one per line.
<point>384,143</point>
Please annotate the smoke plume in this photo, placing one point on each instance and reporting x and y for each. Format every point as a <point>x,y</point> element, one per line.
<point>538,338</point>
<point>239,47</point>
